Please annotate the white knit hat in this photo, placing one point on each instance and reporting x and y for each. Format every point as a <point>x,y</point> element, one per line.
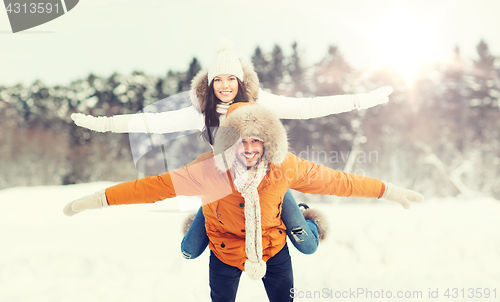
<point>225,62</point>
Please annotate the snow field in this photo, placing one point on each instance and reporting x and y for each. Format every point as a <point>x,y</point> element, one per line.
<point>132,253</point>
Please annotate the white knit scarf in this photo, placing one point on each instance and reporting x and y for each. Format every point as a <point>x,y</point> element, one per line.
<point>222,108</point>
<point>246,182</point>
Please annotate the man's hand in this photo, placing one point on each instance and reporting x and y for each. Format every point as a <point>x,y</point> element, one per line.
<point>94,201</point>
<point>403,196</point>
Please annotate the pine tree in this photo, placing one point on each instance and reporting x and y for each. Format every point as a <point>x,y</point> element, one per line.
<point>262,67</point>
<point>277,69</point>
<point>455,100</point>
<point>332,73</point>
<point>484,92</point>
<point>186,78</point>
<point>296,72</point>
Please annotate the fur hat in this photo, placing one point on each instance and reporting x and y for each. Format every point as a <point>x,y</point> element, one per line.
<point>200,89</point>
<point>249,120</point>
<point>225,62</point>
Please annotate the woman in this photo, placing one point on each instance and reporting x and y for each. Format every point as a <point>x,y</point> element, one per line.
<point>228,81</point>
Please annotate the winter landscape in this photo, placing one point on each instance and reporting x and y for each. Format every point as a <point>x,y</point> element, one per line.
<point>132,253</point>
<point>438,135</point>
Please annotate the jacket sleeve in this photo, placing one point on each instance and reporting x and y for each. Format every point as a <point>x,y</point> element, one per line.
<point>197,179</point>
<point>309,177</point>
<point>149,189</point>
<point>306,108</point>
<point>188,118</point>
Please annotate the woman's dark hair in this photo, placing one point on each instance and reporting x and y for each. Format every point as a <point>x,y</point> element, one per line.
<point>211,114</point>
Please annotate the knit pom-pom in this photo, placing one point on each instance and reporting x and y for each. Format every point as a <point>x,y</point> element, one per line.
<point>224,44</point>
<point>255,270</point>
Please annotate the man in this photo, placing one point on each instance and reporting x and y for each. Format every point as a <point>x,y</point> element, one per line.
<point>242,187</point>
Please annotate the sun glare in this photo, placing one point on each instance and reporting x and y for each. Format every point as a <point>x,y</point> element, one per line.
<point>404,41</point>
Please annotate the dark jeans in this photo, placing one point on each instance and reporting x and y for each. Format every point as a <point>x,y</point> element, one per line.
<point>303,234</point>
<point>278,281</point>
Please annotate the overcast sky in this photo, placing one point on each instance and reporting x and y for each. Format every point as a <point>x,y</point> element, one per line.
<point>104,36</point>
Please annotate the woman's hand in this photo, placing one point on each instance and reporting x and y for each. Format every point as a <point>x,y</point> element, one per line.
<point>99,124</point>
<point>376,97</point>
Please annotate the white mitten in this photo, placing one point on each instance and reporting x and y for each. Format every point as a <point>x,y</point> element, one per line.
<point>373,98</point>
<point>402,196</point>
<point>99,124</point>
<point>94,201</point>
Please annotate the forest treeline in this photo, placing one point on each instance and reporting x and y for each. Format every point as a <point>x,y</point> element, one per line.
<point>438,135</point>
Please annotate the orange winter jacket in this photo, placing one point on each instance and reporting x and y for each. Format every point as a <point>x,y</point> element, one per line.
<point>223,206</point>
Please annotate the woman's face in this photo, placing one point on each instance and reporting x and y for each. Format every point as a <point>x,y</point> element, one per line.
<point>225,87</point>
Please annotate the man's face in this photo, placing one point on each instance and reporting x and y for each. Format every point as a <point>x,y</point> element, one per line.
<point>250,151</point>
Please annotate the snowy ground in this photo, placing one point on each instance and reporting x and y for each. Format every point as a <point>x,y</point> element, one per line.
<point>131,253</point>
